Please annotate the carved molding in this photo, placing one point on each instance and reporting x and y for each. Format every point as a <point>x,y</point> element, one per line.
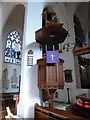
<point>80,51</point>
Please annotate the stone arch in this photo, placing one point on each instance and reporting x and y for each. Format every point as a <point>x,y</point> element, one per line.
<point>12,21</point>
<point>7,9</point>
<point>82,15</point>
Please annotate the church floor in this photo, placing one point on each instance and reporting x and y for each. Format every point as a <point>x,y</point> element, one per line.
<point>60,105</point>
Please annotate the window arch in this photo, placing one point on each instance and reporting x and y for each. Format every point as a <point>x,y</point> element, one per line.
<point>13,48</point>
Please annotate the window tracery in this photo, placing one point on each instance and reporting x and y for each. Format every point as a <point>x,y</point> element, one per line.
<point>13,48</point>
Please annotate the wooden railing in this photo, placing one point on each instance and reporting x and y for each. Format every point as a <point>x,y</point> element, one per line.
<point>53,114</point>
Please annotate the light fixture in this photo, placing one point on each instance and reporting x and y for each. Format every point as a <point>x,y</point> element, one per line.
<point>82,67</point>
<point>52,35</point>
<point>68,46</point>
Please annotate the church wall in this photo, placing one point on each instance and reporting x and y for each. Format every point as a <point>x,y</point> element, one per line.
<point>30,28</point>
<point>10,67</point>
<point>5,28</point>
<point>0,51</point>
<point>1,66</point>
<point>68,56</point>
<point>29,94</point>
<point>11,24</point>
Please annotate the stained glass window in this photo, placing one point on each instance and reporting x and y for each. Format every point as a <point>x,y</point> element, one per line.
<point>13,48</point>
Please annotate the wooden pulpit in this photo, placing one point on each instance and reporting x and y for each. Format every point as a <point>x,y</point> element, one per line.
<point>50,78</point>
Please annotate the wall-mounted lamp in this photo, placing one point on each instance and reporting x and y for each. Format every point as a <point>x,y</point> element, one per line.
<point>52,35</point>
<point>68,46</point>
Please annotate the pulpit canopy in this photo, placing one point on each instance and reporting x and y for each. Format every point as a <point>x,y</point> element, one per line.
<point>51,33</point>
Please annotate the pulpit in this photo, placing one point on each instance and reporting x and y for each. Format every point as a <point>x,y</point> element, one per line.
<point>50,78</point>
<point>50,75</point>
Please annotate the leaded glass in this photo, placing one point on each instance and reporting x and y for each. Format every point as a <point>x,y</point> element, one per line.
<point>13,48</point>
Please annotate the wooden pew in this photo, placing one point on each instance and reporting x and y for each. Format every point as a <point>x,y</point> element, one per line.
<point>82,106</point>
<point>53,114</point>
